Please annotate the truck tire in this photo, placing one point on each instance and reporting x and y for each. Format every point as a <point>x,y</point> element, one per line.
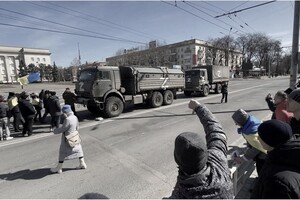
<point>168,97</point>
<point>94,109</point>
<point>114,106</point>
<point>205,90</point>
<point>218,88</point>
<point>156,100</point>
<point>187,93</point>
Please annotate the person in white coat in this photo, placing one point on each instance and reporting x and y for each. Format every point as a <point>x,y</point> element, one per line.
<point>70,125</point>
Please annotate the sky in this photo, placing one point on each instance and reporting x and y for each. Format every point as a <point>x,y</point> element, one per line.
<point>99,29</point>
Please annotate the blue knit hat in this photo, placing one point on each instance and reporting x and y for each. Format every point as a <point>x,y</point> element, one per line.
<point>66,109</point>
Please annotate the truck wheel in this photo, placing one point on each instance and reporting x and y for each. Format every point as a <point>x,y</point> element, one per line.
<point>187,93</point>
<point>205,91</point>
<point>94,109</point>
<point>113,107</point>
<point>218,88</point>
<point>168,97</point>
<point>156,100</point>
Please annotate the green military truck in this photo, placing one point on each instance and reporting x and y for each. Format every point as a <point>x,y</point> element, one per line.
<point>203,79</point>
<point>107,89</point>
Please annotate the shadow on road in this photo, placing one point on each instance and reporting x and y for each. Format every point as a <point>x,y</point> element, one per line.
<point>28,174</point>
<point>93,195</point>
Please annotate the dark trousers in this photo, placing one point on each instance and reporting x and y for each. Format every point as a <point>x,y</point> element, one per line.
<point>55,121</point>
<point>259,164</point>
<point>45,115</point>
<point>38,114</point>
<point>27,127</point>
<point>17,120</point>
<point>224,95</point>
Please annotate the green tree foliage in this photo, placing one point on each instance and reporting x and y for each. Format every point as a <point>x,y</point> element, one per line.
<point>32,68</point>
<point>22,69</point>
<point>55,73</point>
<point>48,72</point>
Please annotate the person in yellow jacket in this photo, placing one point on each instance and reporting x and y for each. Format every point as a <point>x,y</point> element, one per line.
<point>13,106</point>
<point>38,105</point>
<point>248,125</point>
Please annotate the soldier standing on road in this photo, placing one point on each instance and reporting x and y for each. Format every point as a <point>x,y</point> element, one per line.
<point>28,113</point>
<point>54,109</point>
<point>4,111</point>
<point>69,98</point>
<point>202,160</point>
<point>224,91</point>
<point>66,152</point>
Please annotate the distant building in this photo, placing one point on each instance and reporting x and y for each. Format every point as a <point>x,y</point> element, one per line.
<point>186,54</point>
<point>10,58</point>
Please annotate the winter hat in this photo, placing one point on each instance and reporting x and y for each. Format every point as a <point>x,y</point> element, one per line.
<point>66,108</point>
<point>190,152</point>
<point>240,117</point>
<point>275,132</point>
<point>295,95</point>
<point>24,95</point>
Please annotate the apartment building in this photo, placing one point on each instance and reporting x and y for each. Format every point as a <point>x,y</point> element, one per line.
<point>10,58</point>
<point>186,54</point>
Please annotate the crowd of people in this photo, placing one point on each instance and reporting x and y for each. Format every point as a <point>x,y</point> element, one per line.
<point>26,109</point>
<point>274,144</point>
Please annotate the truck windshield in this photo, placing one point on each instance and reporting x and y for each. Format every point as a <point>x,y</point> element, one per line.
<point>87,75</point>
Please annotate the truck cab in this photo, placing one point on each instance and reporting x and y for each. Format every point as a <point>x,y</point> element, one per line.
<point>196,81</point>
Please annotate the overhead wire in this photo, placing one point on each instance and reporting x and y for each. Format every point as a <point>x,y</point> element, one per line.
<point>64,32</point>
<point>109,23</point>
<point>56,23</point>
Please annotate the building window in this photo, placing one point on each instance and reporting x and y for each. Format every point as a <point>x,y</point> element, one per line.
<point>32,58</point>
<point>44,59</point>
<point>38,59</point>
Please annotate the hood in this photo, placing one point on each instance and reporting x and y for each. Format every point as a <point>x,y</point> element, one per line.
<point>251,125</point>
<point>286,154</point>
<point>53,97</point>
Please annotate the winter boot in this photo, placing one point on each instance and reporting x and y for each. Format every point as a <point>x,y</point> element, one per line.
<point>57,169</point>
<point>82,164</point>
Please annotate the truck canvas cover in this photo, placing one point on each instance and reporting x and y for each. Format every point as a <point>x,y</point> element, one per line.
<point>216,73</point>
<point>140,79</point>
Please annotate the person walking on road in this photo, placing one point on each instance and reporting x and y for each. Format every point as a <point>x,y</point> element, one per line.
<point>70,125</point>
<point>69,98</point>
<point>280,175</point>
<point>45,99</point>
<point>202,160</point>
<point>293,105</point>
<point>4,111</point>
<point>224,91</point>
<point>54,109</point>
<point>38,105</point>
<point>28,113</point>
<point>248,128</point>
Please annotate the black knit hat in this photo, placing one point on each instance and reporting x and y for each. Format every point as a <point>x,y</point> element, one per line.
<point>190,152</point>
<point>295,95</point>
<point>240,117</point>
<point>275,132</point>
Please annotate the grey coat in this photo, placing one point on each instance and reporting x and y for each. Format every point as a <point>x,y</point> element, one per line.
<point>65,151</point>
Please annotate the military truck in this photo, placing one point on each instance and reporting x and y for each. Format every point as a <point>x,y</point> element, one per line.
<point>203,79</point>
<point>107,89</point>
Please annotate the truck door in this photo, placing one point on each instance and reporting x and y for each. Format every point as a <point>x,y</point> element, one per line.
<point>103,83</point>
<point>85,82</point>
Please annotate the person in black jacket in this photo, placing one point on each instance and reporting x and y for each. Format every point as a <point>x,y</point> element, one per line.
<point>203,170</point>
<point>54,109</point>
<point>28,113</point>
<point>224,91</point>
<point>280,175</point>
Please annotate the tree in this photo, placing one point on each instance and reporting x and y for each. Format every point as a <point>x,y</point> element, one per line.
<point>48,72</point>
<point>32,68</point>
<point>22,69</point>
<point>55,73</point>
<point>42,70</point>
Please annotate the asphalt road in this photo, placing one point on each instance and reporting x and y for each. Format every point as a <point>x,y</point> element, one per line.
<point>128,157</point>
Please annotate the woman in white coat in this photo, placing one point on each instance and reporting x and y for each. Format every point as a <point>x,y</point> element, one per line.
<point>66,152</point>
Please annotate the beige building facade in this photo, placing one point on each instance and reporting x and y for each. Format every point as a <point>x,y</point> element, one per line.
<point>186,54</point>
<point>10,58</point>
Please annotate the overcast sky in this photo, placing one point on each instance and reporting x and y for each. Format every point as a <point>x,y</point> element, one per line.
<point>108,26</point>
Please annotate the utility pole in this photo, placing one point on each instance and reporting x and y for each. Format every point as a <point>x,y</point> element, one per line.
<point>79,57</point>
<point>294,61</point>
